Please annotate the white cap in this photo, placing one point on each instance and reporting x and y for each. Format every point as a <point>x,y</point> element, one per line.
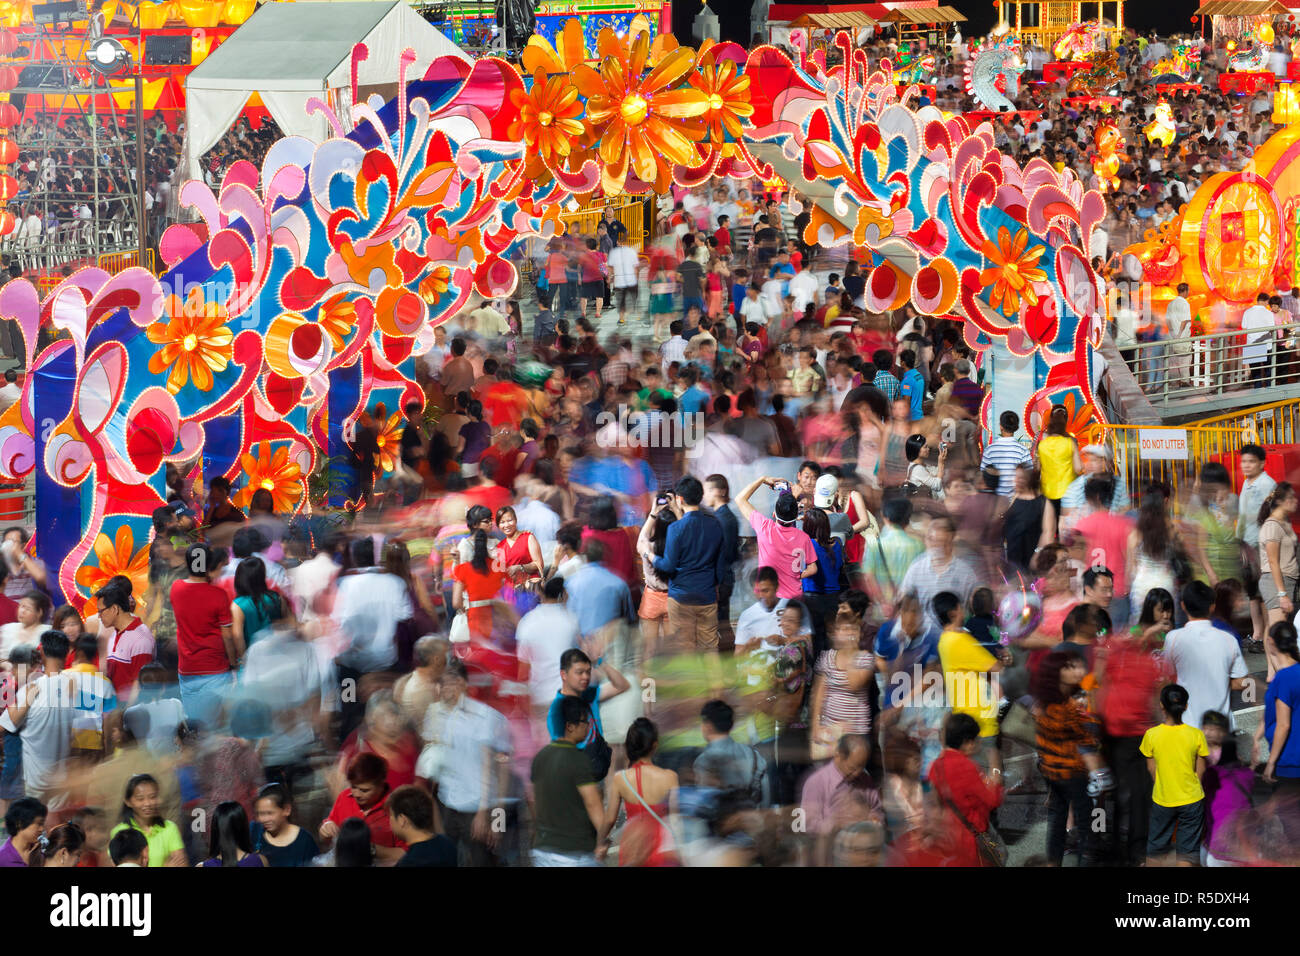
<point>825,490</point>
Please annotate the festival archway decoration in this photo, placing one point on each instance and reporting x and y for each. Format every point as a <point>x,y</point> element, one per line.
<point>306,290</point>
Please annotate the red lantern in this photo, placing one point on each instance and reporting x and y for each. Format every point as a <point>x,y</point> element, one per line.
<point>9,115</point>
<point>1195,19</point>
<point>8,187</point>
<point>7,222</point>
<point>8,78</point>
<point>8,151</point>
<point>8,43</point>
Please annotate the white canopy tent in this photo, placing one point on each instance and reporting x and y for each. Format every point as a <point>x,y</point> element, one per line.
<point>289,53</point>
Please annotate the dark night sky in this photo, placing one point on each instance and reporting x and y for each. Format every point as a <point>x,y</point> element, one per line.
<point>1164,16</point>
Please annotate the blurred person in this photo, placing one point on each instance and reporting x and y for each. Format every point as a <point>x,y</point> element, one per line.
<point>966,798</point>
<point>692,563</point>
<point>649,794</point>
<point>1279,567</point>
<point>129,848</point>
<point>229,844</point>
<point>1067,744</point>
<point>43,715</point>
<point>364,798</point>
<point>411,817</point>
<point>940,568</point>
<point>1282,769</point>
<point>1256,488</point>
<point>566,800</point>
<point>414,692</point>
<point>1059,461</point>
<point>25,826</point>
<point>208,650</point>
<point>1005,453</point>
<point>651,541</point>
<point>1108,535</point>
<point>275,837</point>
<point>473,777</point>
<point>1176,758</point>
<point>726,763</point>
<point>1204,660</point>
<point>841,701</point>
<point>840,792</point>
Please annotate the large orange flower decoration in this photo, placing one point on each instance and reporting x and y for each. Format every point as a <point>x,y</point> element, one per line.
<point>728,98</point>
<point>116,556</point>
<point>1014,271</point>
<point>195,342</point>
<point>550,117</point>
<point>650,122</point>
<point>274,472</point>
<point>390,442</point>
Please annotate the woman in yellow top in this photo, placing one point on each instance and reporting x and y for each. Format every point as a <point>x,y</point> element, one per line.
<point>1058,459</point>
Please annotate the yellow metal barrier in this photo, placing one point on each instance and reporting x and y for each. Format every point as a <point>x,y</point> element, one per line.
<point>1202,444</point>
<point>1277,423</point>
<point>630,212</point>
<point>114,262</point>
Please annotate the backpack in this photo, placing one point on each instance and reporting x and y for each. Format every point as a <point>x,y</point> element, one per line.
<point>599,753</point>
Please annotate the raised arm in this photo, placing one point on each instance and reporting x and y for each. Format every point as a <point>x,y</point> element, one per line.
<point>742,500</point>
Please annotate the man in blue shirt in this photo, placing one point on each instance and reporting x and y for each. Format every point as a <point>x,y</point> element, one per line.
<point>581,679</point>
<point>693,564</point>
<point>912,387</point>
<point>597,596</point>
<point>694,399</point>
<point>903,648</point>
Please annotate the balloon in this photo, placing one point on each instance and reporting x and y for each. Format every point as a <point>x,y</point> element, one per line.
<point>1019,613</point>
<point>1265,34</point>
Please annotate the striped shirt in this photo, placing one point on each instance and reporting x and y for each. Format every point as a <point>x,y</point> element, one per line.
<point>1004,454</point>
<point>1062,730</point>
<point>887,383</point>
<point>850,709</point>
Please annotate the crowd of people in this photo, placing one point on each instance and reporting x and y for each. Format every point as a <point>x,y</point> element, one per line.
<point>747,576</point>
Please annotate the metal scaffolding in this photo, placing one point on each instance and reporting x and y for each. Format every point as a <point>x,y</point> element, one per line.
<point>84,186</point>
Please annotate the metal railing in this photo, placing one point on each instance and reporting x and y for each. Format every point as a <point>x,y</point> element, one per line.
<point>631,213</point>
<point>1199,445</point>
<point>1275,423</point>
<point>1200,369</point>
<point>114,262</point>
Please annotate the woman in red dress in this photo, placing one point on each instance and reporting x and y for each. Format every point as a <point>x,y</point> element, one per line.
<point>520,557</point>
<point>650,795</point>
<point>477,583</point>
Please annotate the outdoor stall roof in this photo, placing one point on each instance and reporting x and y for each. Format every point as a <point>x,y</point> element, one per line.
<point>846,20</point>
<point>1243,8</point>
<point>289,53</point>
<point>915,15</point>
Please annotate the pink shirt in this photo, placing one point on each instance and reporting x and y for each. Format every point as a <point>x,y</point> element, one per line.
<point>1106,535</point>
<point>828,799</point>
<point>785,549</point>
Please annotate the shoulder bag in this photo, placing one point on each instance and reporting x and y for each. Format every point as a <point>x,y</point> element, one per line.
<point>990,846</point>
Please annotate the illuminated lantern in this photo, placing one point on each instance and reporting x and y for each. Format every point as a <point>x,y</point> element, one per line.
<point>8,187</point>
<point>8,78</point>
<point>8,43</point>
<point>8,151</point>
<point>9,115</point>
<point>7,222</point>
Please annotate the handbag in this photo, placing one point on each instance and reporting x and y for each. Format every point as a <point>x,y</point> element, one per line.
<point>990,846</point>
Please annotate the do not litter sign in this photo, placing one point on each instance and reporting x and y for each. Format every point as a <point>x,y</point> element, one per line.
<point>1167,444</point>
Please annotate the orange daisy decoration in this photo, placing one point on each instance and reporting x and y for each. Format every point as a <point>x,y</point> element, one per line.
<point>435,284</point>
<point>274,472</point>
<point>390,442</point>
<point>728,96</point>
<point>116,555</point>
<point>195,342</point>
<point>337,318</point>
<point>1014,271</point>
<point>550,117</point>
<point>650,122</point>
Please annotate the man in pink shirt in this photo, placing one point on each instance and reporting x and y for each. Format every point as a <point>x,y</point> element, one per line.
<point>1106,535</point>
<point>840,792</point>
<point>781,545</point>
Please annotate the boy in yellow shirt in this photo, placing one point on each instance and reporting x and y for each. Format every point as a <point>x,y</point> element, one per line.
<point>965,663</point>
<point>1177,756</point>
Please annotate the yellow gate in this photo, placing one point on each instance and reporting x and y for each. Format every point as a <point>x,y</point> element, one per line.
<point>630,212</point>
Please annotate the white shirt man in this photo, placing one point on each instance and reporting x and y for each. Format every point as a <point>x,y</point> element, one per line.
<point>623,263</point>
<point>539,521</point>
<point>674,350</point>
<point>803,289</point>
<point>772,294</point>
<point>757,309</point>
<point>368,608</point>
<point>1258,343</point>
<point>467,733</point>
<point>543,634</point>
<point>1206,660</point>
